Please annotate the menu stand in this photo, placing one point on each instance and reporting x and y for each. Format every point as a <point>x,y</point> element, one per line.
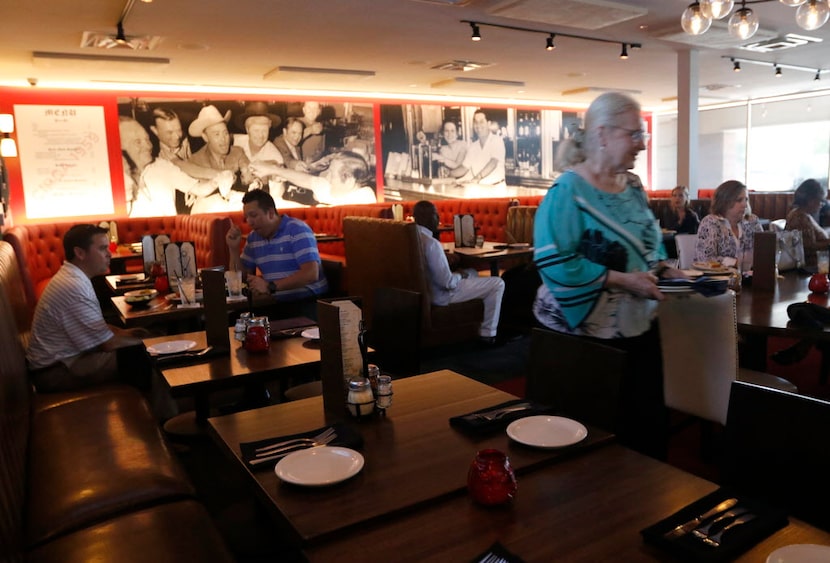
<point>763,261</point>
<point>340,359</point>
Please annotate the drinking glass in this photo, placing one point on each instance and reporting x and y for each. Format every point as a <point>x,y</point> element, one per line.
<point>233,279</point>
<point>490,479</point>
<point>187,290</point>
<point>823,258</point>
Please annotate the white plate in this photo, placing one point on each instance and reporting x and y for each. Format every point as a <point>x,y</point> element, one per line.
<point>140,295</point>
<point>800,553</point>
<point>313,333</point>
<point>544,431</point>
<point>675,289</point>
<point>171,347</point>
<point>320,466</point>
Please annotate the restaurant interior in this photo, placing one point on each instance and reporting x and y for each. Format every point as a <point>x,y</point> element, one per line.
<point>267,434</point>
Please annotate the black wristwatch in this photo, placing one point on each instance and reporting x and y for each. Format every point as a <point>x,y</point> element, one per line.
<point>272,287</point>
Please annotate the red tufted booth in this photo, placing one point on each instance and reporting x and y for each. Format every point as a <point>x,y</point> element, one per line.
<point>39,247</point>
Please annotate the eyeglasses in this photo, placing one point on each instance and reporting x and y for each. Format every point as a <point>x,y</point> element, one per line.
<point>637,135</point>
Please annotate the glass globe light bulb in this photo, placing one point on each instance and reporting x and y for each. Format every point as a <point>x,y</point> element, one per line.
<point>792,3</point>
<point>693,21</point>
<point>743,23</point>
<point>812,14</point>
<point>717,9</point>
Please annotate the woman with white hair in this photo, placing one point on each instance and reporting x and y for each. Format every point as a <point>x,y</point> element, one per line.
<point>599,253</point>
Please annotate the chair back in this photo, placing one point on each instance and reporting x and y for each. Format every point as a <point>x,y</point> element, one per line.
<point>519,226</point>
<point>578,376</point>
<point>776,450</point>
<point>685,250</point>
<point>698,337</point>
<point>778,226</point>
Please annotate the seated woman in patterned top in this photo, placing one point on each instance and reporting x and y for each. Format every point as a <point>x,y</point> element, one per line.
<point>727,234</point>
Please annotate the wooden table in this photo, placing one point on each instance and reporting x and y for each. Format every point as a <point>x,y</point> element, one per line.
<point>287,358</point>
<point>413,457</point>
<point>588,508</point>
<point>133,282</point>
<point>489,255</point>
<point>762,314</point>
<point>157,310</point>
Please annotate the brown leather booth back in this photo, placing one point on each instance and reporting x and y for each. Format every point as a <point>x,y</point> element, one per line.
<point>14,410</point>
<point>384,253</point>
<point>771,205</point>
<point>520,220</point>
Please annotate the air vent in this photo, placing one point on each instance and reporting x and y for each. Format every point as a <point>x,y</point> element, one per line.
<point>460,65</point>
<point>98,40</point>
<point>788,41</point>
<point>717,37</point>
<point>46,58</point>
<point>578,14</point>
<point>293,71</point>
<point>464,81</point>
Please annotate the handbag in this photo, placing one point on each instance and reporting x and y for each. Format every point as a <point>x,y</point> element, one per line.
<point>790,250</point>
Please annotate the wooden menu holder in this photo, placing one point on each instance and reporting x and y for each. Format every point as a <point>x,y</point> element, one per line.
<point>763,261</point>
<point>216,310</point>
<point>332,348</point>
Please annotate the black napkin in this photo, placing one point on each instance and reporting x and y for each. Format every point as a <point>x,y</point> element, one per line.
<point>706,286</point>
<point>189,358</point>
<point>471,424</point>
<point>500,551</point>
<point>734,542</point>
<point>347,437</point>
<point>809,315</point>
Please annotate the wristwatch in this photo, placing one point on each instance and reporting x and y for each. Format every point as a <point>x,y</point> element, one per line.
<point>272,287</point>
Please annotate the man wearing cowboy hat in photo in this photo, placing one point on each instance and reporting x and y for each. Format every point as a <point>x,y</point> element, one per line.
<point>216,156</point>
<point>257,122</point>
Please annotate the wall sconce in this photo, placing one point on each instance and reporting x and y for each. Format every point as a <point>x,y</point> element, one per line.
<point>7,144</point>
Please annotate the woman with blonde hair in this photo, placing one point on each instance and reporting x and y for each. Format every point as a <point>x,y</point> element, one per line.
<point>679,217</point>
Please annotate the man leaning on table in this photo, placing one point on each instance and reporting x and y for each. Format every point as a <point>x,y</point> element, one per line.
<point>71,346</point>
<point>454,287</point>
<point>282,248</point>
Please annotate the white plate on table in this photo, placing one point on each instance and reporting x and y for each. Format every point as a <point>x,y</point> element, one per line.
<point>320,466</point>
<point>171,347</point>
<point>312,333</point>
<point>800,553</point>
<point>675,289</point>
<point>543,431</point>
<point>708,268</point>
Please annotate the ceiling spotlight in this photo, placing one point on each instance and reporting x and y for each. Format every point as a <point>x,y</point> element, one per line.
<point>694,21</point>
<point>120,38</point>
<point>743,23</point>
<point>818,75</point>
<point>624,52</point>
<point>549,44</point>
<point>777,71</point>
<point>476,34</point>
<point>736,66</point>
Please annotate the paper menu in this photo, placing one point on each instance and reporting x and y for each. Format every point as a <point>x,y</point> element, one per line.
<point>350,317</point>
<point>465,230</point>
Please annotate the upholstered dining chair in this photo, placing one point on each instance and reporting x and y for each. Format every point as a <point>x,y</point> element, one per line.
<point>685,250</point>
<point>776,450</point>
<point>699,341</point>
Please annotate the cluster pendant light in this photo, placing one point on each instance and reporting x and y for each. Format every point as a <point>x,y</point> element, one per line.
<point>743,23</point>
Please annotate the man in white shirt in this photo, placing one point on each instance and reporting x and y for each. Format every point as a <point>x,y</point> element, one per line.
<point>484,161</point>
<point>454,287</point>
<point>71,345</point>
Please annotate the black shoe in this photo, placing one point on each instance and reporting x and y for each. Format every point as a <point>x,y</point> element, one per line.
<point>489,341</point>
<point>793,354</point>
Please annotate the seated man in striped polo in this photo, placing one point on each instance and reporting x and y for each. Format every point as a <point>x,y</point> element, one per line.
<point>281,248</point>
<point>71,345</point>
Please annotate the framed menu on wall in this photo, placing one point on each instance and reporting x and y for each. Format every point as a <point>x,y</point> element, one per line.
<point>63,160</point>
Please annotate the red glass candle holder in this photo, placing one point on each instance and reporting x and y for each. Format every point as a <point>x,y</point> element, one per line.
<point>491,480</point>
<point>819,283</point>
<point>256,339</point>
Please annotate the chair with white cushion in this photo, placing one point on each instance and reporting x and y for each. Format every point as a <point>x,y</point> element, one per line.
<point>699,341</point>
<point>685,250</point>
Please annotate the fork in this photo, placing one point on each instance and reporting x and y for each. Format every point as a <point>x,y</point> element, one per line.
<point>703,531</point>
<point>497,414</point>
<point>279,445</point>
<point>715,540</point>
<point>285,450</point>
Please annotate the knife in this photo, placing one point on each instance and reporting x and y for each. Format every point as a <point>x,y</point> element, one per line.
<point>687,527</point>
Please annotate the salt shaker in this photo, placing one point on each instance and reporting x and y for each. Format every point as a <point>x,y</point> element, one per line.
<point>360,400</point>
<point>383,397</point>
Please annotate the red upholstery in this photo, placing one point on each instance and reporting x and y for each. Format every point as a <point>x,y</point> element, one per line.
<point>705,193</point>
<point>39,247</point>
<point>658,193</point>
